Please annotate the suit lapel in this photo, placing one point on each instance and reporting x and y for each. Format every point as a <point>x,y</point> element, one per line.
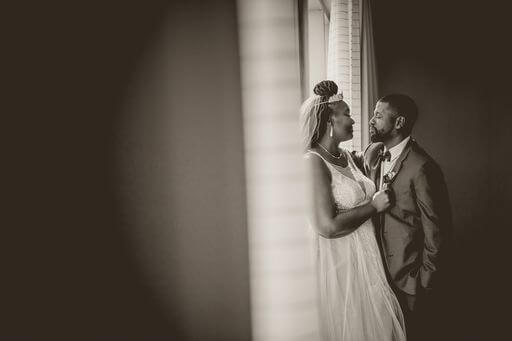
<point>399,162</point>
<point>375,169</point>
<point>394,171</point>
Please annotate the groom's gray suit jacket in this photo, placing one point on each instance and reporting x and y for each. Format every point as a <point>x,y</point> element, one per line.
<point>413,232</point>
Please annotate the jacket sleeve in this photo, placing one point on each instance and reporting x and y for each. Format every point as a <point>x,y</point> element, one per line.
<point>358,158</point>
<point>367,156</point>
<point>435,213</point>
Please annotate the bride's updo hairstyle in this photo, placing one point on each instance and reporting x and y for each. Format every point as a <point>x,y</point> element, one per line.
<point>315,112</point>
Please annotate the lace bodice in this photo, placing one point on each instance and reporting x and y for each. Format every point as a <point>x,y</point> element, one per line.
<point>350,187</point>
<point>355,299</point>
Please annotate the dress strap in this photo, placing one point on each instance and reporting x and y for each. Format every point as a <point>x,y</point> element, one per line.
<point>309,151</point>
<point>350,159</point>
<point>327,163</point>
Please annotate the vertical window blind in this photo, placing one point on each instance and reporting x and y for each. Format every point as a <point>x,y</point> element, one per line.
<point>283,282</point>
<point>344,60</point>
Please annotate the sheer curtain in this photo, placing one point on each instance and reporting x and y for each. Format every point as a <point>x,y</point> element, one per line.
<point>351,62</point>
<point>369,84</point>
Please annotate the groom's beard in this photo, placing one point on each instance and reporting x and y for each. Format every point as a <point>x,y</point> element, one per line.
<point>375,138</point>
<point>378,136</point>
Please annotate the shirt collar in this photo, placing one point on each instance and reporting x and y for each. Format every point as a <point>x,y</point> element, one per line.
<point>398,149</point>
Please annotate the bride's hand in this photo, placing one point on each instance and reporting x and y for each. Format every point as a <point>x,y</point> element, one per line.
<point>381,201</point>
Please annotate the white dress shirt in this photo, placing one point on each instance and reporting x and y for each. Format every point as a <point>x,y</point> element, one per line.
<point>386,166</point>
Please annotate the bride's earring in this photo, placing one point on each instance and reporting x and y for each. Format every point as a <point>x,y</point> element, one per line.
<point>331,132</point>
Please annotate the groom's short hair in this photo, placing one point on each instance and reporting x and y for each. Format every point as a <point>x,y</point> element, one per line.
<point>404,106</point>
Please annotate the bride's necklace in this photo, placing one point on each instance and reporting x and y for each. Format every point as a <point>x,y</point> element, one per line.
<point>328,152</point>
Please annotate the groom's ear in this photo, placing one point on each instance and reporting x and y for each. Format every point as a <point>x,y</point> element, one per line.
<point>400,122</point>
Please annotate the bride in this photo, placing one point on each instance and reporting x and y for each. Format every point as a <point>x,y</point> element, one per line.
<point>356,302</point>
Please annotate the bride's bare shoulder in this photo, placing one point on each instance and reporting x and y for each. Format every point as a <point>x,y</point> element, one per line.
<point>317,164</point>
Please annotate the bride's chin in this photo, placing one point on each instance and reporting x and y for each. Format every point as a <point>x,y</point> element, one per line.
<point>347,138</point>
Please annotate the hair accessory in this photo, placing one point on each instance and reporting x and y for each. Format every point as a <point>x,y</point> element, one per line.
<point>333,98</point>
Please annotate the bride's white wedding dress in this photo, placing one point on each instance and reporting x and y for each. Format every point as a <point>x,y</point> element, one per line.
<point>356,301</point>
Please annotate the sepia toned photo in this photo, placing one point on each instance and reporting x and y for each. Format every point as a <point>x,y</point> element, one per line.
<point>265,170</point>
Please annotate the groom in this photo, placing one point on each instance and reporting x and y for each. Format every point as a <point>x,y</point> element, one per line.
<point>413,232</point>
